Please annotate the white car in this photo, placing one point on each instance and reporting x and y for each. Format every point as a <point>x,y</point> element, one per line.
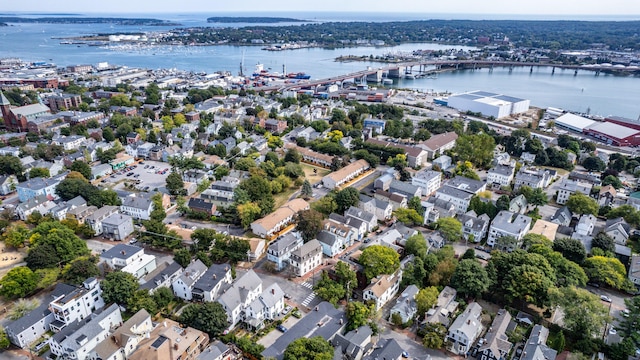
<point>605,298</point>
<point>612,331</point>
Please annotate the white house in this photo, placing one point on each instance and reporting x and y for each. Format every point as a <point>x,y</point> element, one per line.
<point>280,250</point>
<point>239,295</point>
<point>208,286</point>
<point>183,286</point>
<point>428,180</point>
<point>474,227</point>
<point>501,175</point>
<point>507,223</point>
<point>80,339</point>
<point>459,192</point>
<point>382,289</point>
<point>266,307</point>
<point>77,305</point>
<point>136,206</point>
<point>346,174</point>
<point>406,306</point>
<point>466,329</point>
<point>570,187</point>
<point>130,259</point>
<point>279,219</point>
<point>307,257</point>
<point>124,341</point>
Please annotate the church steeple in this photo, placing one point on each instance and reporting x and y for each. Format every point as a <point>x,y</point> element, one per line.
<point>3,100</point>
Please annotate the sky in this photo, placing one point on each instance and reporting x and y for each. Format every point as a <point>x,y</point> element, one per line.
<point>498,7</point>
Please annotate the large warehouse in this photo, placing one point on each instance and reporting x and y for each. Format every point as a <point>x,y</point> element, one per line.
<point>614,134</point>
<point>488,104</point>
<point>573,122</point>
<point>634,124</point>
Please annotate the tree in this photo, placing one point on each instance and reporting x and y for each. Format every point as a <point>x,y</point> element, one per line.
<point>309,223</point>
<point>470,278</point>
<point>292,155</point>
<point>534,239</point>
<point>502,203</point>
<point>118,287</point>
<point>22,307</point>
<point>18,283</point>
<point>426,299</point>
<point>579,203</point>
<point>571,249</point>
<point>10,165</point>
<point>182,257</point>
<point>416,245</point>
<point>477,149</point>
<point>358,314</point>
<point>4,339</point>
<point>108,135</point>
<point>613,181</point>
<point>39,172</point>
<point>608,271</point>
<point>141,299</point>
<point>408,216</point>
<point>325,205</point>
<point>307,190</point>
<point>81,167</point>
<point>434,335</point>
<point>378,259</point>
<point>538,197</point>
<point>604,242</point>
<point>329,290</point>
<point>346,198</point>
<point>175,185</point>
<point>209,317</point>
<point>15,235</point>
<point>594,163</point>
<point>80,269</point>
<point>584,313</point>
<point>629,324</point>
<point>248,213</point>
<point>315,348</point>
<point>54,244</point>
<point>346,277</point>
<point>163,296</point>
<point>450,228</point>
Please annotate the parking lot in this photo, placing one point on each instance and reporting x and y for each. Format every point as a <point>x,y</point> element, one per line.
<point>145,176</point>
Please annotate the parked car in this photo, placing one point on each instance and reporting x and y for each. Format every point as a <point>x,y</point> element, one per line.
<point>605,298</point>
<point>624,312</point>
<point>282,328</point>
<point>286,310</point>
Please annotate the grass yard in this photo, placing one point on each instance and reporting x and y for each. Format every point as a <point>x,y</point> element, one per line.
<point>309,175</point>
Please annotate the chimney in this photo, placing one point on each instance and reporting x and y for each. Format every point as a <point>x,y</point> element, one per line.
<point>164,323</point>
<point>215,276</point>
<point>273,291</point>
<point>468,322</point>
<point>175,346</point>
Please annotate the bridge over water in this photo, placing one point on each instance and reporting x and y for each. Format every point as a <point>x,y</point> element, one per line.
<point>426,68</point>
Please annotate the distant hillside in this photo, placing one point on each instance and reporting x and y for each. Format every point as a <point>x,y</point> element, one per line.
<point>252,20</point>
<point>87,20</point>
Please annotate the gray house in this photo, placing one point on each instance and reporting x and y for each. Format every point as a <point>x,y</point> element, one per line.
<point>117,226</point>
<point>406,304</point>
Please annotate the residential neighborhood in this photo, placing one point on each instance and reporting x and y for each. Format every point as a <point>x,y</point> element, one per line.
<point>213,222</point>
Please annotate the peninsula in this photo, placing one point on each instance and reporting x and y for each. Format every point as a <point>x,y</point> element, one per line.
<point>87,20</point>
<point>252,20</point>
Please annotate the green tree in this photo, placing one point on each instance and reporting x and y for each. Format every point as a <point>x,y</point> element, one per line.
<point>346,277</point>
<point>22,307</point>
<point>15,235</point>
<point>470,278</point>
<point>209,317</point>
<point>434,335</point>
<point>309,223</point>
<point>579,203</point>
<point>416,245</point>
<point>175,185</point>
<point>629,324</point>
<point>594,163</point>
<point>606,270</point>
<point>325,205</point>
<point>163,296</point>
<point>248,213</point>
<point>346,198</point>
<point>502,203</point>
<point>378,259</point>
<point>54,244</point>
<point>425,299</point>
<point>107,134</point>
<point>477,149</point>
<point>329,290</point>
<point>81,167</point>
<point>118,287</point>
<point>141,299</point>
<point>39,172</point>
<point>182,257</point>
<point>4,339</point>
<point>584,313</point>
<point>292,155</point>
<point>538,197</point>
<point>358,314</point>
<point>604,242</point>
<point>450,228</point>
<point>315,348</point>
<point>571,249</point>
<point>80,269</point>
<point>613,181</point>
<point>408,216</point>
<point>534,239</point>
<point>18,283</point>
<point>307,190</point>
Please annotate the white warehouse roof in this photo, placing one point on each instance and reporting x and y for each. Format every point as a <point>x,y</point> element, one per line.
<point>574,122</point>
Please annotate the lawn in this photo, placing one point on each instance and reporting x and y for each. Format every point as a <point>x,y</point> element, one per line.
<point>309,175</point>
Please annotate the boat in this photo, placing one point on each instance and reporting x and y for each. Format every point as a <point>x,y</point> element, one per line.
<point>387,82</point>
<point>409,76</point>
<point>299,76</point>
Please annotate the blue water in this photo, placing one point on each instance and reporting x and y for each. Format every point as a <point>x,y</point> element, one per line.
<point>603,95</point>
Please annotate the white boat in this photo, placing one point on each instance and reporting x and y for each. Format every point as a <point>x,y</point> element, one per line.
<point>387,82</point>
<point>409,76</point>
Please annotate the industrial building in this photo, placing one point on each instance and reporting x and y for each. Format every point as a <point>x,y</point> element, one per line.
<point>614,134</point>
<point>489,104</point>
<point>573,122</point>
<point>634,124</point>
